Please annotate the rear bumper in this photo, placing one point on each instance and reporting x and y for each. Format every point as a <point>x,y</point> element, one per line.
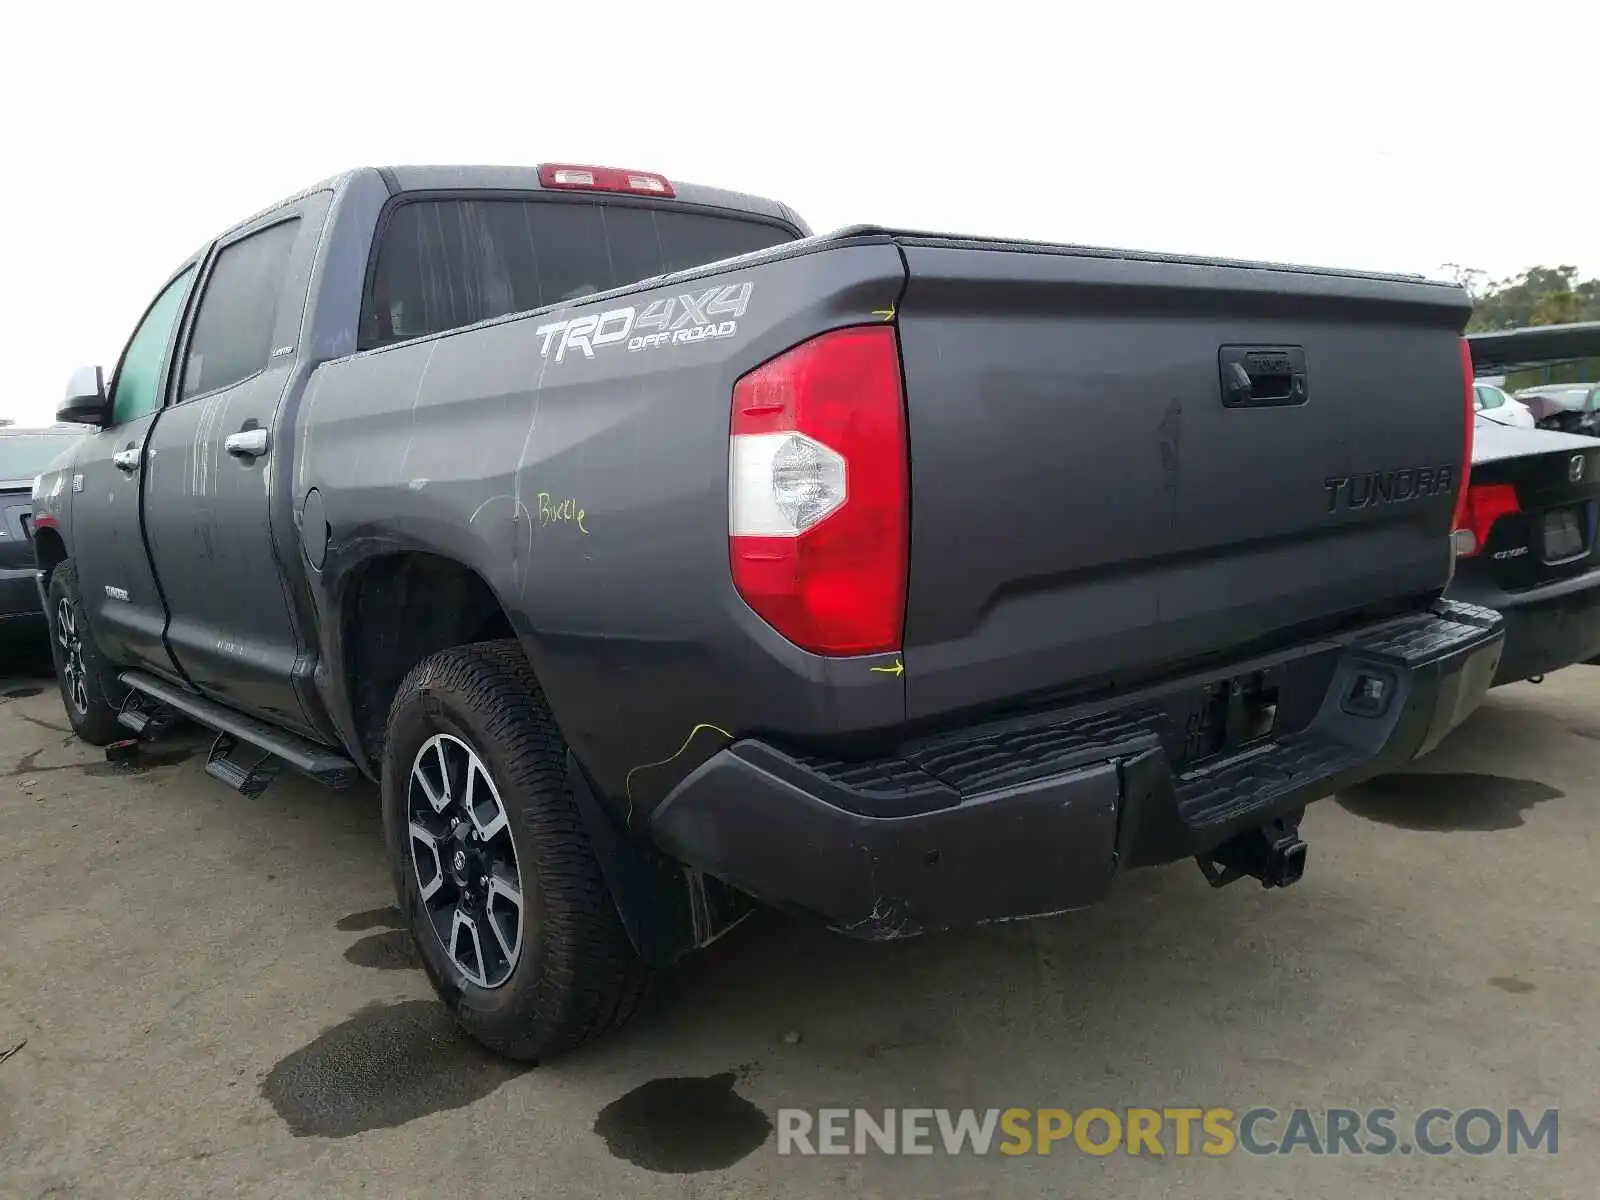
<point>1547,628</point>
<point>1037,817</point>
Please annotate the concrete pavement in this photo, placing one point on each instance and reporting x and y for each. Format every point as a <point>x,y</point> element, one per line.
<point>208,996</point>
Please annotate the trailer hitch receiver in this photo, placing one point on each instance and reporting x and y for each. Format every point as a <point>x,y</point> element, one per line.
<point>1273,853</point>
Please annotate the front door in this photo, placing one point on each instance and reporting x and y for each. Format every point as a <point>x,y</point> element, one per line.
<point>207,478</point>
<point>115,579</point>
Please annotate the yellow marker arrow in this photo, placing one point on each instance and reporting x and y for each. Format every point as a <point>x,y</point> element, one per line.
<point>888,315</point>
<point>897,670</point>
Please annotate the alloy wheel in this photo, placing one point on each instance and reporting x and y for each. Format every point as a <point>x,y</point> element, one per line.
<point>72,655</point>
<point>464,860</point>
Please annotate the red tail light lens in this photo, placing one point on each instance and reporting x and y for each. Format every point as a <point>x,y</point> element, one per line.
<point>818,492</point>
<point>1470,418</point>
<point>1486,503</point>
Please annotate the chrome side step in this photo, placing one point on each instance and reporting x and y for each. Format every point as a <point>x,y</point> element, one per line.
<point>324,765</point>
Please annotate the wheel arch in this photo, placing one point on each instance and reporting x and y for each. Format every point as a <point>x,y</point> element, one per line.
<point>49,551</point>
<point>394,610</point>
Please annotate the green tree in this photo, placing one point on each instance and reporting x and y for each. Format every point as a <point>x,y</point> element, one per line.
<point>1537,296</point>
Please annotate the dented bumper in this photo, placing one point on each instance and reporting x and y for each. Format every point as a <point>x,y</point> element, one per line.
<point>1037,816</point>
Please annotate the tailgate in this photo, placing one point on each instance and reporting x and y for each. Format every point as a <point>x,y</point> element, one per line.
<point>1124,466</point>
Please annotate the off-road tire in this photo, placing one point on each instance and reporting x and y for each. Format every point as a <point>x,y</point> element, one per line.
<point>93,711</point>
<point>577,976</point>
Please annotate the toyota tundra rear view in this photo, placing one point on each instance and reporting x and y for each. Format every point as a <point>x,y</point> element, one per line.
<point>656,556</point>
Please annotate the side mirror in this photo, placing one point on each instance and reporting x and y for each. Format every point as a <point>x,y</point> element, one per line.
<point>85,402</point>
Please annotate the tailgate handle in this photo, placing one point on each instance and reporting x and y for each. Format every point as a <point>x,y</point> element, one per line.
<point>1262,376</point>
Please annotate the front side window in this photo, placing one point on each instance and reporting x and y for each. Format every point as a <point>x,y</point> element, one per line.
<point>442,264</point>
<point>136,391</point>
<point>238,309</point>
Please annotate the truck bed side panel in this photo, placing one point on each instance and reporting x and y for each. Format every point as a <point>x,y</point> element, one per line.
<point>485,445</point>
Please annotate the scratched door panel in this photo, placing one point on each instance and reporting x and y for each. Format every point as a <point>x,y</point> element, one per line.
<point>209,474</point>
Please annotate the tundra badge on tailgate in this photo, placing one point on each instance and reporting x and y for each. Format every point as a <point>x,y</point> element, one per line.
<point>1369,488</point>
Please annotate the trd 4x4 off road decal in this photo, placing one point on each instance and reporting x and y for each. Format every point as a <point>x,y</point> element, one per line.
<point>675,321</point>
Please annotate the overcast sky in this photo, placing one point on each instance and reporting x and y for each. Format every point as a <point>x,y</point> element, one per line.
<point>1399,136</point>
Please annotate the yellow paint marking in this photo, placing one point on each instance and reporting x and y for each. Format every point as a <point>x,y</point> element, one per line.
<point>627,782</point>
<point>897,670</point>
<point>886,313</point>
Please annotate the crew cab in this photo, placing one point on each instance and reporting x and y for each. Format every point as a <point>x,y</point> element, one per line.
<point>656,556</point>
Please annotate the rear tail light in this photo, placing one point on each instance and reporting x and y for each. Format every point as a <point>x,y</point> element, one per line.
<point>1470,420</point>
<point>818,492</point>
<point>603,179</point>
<point>1485,504</point>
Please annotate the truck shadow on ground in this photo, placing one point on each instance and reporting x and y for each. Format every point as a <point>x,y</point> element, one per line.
<point>390,949</point>
<point>1429,796</point>
<point>782,994</point>
<point>801,1016</point>
<point>1434,801</point>
<point>1164,979</point>
<point>785,1012</point>
<point>27,664</point>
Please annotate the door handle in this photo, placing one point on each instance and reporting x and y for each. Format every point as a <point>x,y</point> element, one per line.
<point>127,460</point>
<point>247,443</point>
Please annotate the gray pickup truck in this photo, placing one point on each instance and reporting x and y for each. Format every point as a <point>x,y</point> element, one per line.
<point>657,557</point>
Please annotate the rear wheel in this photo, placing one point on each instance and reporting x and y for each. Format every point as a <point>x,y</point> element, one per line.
<point>494,870</point>
<point>89,687</point>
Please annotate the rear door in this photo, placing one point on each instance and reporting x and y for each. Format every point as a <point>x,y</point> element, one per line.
<point>105,540</point>
<point>206,511</point>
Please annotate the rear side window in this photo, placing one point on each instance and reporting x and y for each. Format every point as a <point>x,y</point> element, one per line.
<point>233,331</point>
<point>446,263</point>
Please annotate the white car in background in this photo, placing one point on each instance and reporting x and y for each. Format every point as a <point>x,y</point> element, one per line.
<point>1493,404</point>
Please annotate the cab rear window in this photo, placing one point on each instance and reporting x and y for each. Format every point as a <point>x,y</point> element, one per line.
<point>445,263</point>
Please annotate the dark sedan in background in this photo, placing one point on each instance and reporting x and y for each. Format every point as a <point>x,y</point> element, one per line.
<point>1530,549</point>
<point>24,454</point>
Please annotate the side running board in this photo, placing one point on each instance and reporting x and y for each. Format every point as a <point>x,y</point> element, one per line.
<point>323,765</point>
